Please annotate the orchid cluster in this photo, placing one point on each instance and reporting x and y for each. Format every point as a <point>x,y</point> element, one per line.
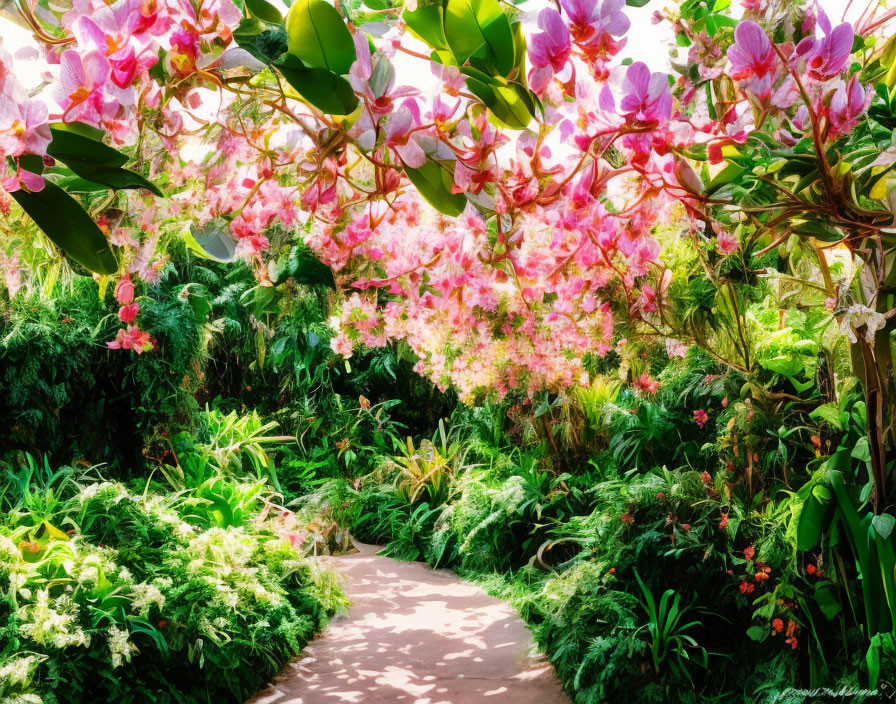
<point>498,221</point>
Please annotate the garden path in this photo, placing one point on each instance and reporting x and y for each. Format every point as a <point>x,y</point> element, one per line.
<point>417,636</point>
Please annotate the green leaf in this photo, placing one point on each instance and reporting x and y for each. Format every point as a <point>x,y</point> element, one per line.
<point>726,175</point>
<point>307,269</point>
<point>318,36</point>
<point>872,660</point>
<point>434,183</point>
<point>427,23</point>
<point>471,25</point>
<point>71,143</point>
<point>263,10</point>
<point>829,413</point>
<point>811,520</point>
<point>827,601</point>
<point>636,3</point>
<point>94,161</point>
<point>328,92</point>
<point>884,524</point>
<point>510,102</point>
<point>65,222</point>
<point>757,633</point>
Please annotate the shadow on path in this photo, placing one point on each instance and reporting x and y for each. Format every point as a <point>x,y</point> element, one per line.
<point>417,636</point>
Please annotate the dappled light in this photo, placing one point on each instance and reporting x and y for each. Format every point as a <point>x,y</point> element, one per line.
<point>416,635</point>
<point>581,312</point>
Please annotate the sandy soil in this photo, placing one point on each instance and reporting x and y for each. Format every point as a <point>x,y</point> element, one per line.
<point>417,636</point>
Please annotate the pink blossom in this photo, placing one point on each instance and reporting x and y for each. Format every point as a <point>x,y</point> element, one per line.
<point>83,79</point>
<point>401,138</point>
<point>726,243</point>
<point>549,49</point>
<point>376,80</point>
<point>131,339</point>
<point>23,127</point>
<point>23,179</point>
<point>675,348</point>
<point>848,103</point>
<point>646,98</point>
<point>700,417</point>
<point>828,56</point>
<point>124,290</point>
<point>595,23</point>
<point>753,58</point>
<point>128,313</point>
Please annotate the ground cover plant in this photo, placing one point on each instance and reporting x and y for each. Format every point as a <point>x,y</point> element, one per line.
<point>466,279</point>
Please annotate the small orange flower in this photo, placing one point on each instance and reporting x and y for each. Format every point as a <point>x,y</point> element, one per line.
<point>778,625</point>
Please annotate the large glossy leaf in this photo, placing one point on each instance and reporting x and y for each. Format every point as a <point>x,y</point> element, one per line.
<point>325,90</point>
<point>471,25</point>
<point>263,10</point>
<point>65,222</point>
<point>265,44</point>
<point>812,518</point>
<point>510,102</point>
<point>427,23</point>
<point>94,161</point>
<point>434,183</point>
<point>319,37</point>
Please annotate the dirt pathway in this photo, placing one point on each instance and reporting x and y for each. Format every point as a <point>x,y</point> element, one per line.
<point>417,636</point>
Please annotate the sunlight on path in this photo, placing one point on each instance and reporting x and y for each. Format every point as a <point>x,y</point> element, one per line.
<point>417,636</point>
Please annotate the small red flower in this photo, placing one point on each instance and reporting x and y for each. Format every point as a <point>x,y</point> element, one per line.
<point>749,552</point>
<point>706,478</point>
<point>761,576</point>
<point>747,587</point>
<point>627,518</point>
<point>685,526</point>
<point>778,625</point>
<point>792,642</point>
<point>700,417</point>
<point>661,495</point>
<point>646,384</point>
<point>724,522</point>
<point>791,627</point>
<point>128,313</point>
<point>811,569</point>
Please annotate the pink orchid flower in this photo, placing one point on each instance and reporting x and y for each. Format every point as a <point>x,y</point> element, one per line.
<point>83,79</point>
<point>128,55</point>
<point>828,56</point>
<point>376,80</point>
<point>848,103</point>
<point>23,127</point>
<point>548,50</point>
<point>23,179</point>
<point>753,58</point>
<point>594,23</point>
<point>401,138</point>
<point>646,98</point>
